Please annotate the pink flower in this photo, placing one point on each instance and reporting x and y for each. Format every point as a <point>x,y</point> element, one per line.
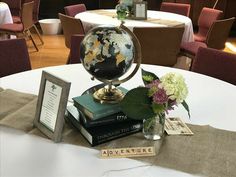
<point>160,96</point>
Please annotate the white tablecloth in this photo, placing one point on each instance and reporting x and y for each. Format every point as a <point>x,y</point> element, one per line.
<point>91,19</point>
<point>5,16</point>
<point>211,101</point>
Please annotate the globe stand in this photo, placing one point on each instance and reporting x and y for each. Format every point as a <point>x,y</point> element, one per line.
<point>108,94</point>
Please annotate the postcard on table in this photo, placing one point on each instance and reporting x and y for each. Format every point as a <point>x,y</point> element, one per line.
<point>175,126</point>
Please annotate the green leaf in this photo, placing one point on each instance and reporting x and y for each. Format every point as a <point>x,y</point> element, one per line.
<point>158,108</point>
<point>136,104</point>
<point>148,77</point>
<point>185,105</point>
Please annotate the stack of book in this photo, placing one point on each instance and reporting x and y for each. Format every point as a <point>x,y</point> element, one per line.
<point>100,123</point>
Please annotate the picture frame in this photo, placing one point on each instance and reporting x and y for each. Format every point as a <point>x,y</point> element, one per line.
<point>51,106</point>
<point>140,10</point>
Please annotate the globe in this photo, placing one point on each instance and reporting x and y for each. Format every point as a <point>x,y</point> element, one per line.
<point>107,52</point>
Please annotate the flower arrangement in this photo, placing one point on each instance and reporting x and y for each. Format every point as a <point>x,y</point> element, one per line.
<point>157,97</point>
<point>124,8</point>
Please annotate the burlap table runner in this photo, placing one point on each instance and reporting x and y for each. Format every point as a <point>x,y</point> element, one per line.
<point>168,23</point>
<point>209,152</point>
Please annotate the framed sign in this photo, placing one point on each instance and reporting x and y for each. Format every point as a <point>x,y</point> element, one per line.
<point>140,10</point>
<point>51,106</point>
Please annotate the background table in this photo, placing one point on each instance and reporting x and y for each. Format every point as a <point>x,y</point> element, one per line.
<point>211,101</point>
<point>90,19</point>
<point>5,16</point>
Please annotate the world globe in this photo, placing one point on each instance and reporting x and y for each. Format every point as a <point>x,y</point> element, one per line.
<point>107,52</point>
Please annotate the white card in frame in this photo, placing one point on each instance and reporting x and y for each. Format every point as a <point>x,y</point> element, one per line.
<point>51,105</point>
<point>140,10</point>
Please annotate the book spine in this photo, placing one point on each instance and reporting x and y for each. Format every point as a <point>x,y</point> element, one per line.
<point>96,140</point>
<point>127,128</point>
<point>85,111</point>
<point>114,118</point>
<point>106,112</point>
<point>99,114</point>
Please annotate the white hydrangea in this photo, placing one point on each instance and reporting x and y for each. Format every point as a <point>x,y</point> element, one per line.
<point>175,86</point>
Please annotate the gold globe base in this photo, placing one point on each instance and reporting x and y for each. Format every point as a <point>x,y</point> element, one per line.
<point>108,95</point>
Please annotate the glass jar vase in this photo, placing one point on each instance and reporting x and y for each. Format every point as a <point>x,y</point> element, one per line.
<point>153,128</point>
<point>121,15</point>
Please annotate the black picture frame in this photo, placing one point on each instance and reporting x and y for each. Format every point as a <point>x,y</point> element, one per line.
<point>51,106</point>
<point>140,10</point>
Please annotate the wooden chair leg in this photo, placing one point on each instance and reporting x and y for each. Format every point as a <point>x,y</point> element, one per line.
<point>33,42</point>
<point>39,35</point>
<point>28,33</point>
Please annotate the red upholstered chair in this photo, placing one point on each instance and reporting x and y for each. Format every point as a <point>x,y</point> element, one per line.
<point>216,38</point>
<point>35,9</point>
<point>17,19</point>
<point>205,20</point>
<point>160,45</point>
<point>72,10</point>
<point>36,16</point>
<point>190,49</point>
<point>74,56</point>
<point>21,28</point>
<point>71,26</point>
<point>15,57</point>
<point>178,8</point>
<point>219,32</point>
<point>215,63</point>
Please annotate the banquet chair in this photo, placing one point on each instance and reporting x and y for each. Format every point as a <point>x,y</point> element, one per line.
<point>23,28</point>
<point>216,38</point>
<point>205,20</point>
<point>177,8</point>
<point>74,56</point>
<point>13,62</point>
<point>215,63</point>
<point>219,32</point>
<point>35,9</point>
<point>36,18</point>
<point>70,26</point>
<point>72,10</point>
<point>160,45</point>
<point>17,19</point>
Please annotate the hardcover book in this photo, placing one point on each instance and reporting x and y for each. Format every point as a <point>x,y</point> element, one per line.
<point>101,134</point>
<point>87,122</point>
<point>93,109</point>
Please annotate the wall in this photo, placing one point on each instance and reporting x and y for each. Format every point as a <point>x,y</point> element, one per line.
<point>51,8</point>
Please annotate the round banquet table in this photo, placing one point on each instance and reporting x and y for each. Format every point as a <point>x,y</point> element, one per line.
<point>5,16</point>
<point>211,101</point>
<point>91,19</point>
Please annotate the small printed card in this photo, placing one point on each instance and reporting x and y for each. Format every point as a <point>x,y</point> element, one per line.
<point>175,126</point>
<point>128,152</point>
